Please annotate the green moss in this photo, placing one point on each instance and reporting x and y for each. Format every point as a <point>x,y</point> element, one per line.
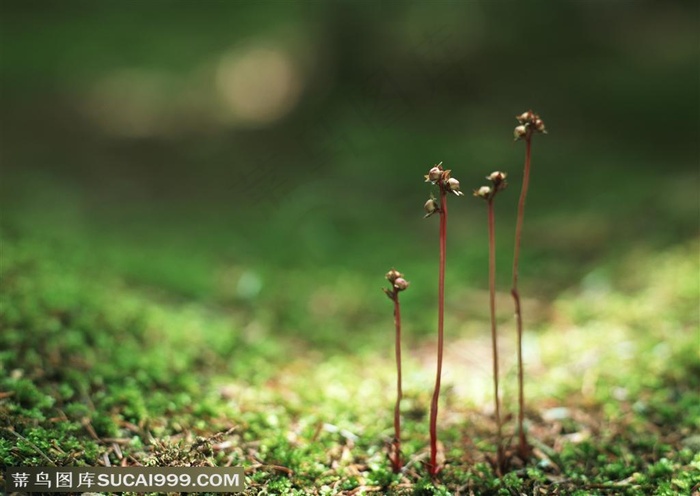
<point>91,362</point>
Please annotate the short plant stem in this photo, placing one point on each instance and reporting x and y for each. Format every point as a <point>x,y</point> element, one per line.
<point>396,461</point>
<point>494,333</point>
<point>523,446</point>
<point>441,313</point>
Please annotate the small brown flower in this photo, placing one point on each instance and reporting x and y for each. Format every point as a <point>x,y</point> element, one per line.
<point>431,206</point>
<point>525,117</point>
<point>538,124</point>
<point>527,120</point>
<point>453,186</point>
<point>498,179</point>
<point>393,275</point>
<point>483,192</point>
<point>435,174</point>
<point>400,284</point>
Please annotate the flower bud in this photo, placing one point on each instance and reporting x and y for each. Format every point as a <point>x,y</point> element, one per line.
<point>393,275</point>
<point>498,179</point>
<point>519,132</point>
<point>497,176</point>
<point>434,174</point>
<point>431,206</point>
<point>401,284</point>
<point>453,185</point>
<point>525,117</point>
<point>483,192</point>
<point>539,125</point>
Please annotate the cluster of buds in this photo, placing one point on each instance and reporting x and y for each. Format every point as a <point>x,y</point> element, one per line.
<point>398,283</point>
<point>441,177</point>
<point>528,121</point>
<point>447,184</point>
<point>498,180</point>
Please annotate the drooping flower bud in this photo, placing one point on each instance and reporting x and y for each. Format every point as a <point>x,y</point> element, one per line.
<point>453,185</point>
<point>539,125</point>
<point>519,132</point>
<point>393,275</point>
<point>525,117</point>
<point>431,206</point>
<point>401,284</point>
<point>498,179</point>
<point>434,174</point>
<point>483,192</point>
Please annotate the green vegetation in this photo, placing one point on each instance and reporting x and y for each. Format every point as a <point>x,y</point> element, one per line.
<point>99,368</point>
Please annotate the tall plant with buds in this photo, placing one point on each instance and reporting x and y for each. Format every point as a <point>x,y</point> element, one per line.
<point>488,193</point>
<point>446,184</point>
<point>529,123</point>
<point>398,284</point>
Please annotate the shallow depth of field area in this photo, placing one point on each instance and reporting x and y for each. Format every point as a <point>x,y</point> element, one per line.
<point>199,203</point>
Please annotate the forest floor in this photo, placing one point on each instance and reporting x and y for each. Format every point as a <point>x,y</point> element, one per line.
<point>102,370</point>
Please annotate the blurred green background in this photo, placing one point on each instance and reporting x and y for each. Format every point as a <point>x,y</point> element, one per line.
<point>268,157</point>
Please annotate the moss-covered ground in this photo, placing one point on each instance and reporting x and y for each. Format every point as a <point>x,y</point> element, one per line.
<point>115,353</point>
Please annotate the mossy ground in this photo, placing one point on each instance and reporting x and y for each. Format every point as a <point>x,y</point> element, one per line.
<point>98,369</point>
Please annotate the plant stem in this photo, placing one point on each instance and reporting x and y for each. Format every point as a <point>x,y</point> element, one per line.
<point>494,334</point>
<point>396,461</point>
<point>523,446</point>
<point>441,314</point>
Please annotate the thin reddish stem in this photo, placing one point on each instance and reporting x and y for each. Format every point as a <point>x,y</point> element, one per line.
<point>441,317</point>
<point>396,461</point>
<point>494,332</point>
<point>523,446</point>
